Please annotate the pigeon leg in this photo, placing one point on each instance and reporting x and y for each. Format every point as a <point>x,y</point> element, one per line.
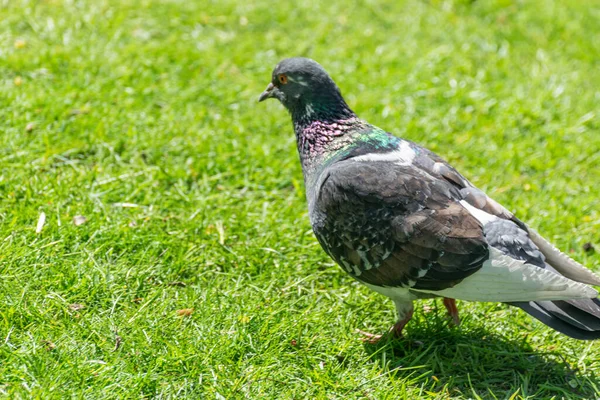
<point>405,313</point>
<point>450,305</point>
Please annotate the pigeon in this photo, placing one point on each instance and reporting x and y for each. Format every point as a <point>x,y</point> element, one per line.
<point>405,223</point>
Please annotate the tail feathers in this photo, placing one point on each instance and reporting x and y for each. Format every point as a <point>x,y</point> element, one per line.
<point>579,319</point>
<point>563,263</point>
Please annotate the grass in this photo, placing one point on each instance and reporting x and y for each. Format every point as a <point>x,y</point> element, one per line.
<point>141,116</point>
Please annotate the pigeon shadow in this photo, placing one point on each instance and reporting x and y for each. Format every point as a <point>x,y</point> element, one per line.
<point>479,364</point>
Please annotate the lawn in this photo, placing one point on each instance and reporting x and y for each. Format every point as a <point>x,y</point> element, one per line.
<point>192,270</point>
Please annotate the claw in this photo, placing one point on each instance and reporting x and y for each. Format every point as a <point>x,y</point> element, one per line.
<point>370,338</point>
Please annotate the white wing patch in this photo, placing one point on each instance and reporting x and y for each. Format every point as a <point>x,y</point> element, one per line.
<point>560,261</point>
<point>482,216</point>
<point>404,155</point>
<point>503,279</point>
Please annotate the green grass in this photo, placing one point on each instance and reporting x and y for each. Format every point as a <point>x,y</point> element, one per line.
<point>153,103</point>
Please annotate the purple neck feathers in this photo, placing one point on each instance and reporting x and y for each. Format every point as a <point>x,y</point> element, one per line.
<point>318,138</point>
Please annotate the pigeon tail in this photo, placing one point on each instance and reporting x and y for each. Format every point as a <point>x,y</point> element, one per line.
<point>579,319</point>
<point>562,263</point>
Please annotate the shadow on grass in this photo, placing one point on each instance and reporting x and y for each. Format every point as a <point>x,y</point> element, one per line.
<point>479,364</point>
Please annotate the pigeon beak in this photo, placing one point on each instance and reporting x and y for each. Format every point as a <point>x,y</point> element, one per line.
<point>268,93</point>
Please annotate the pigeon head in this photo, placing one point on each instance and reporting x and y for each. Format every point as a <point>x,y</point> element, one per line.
<point>306,90</point>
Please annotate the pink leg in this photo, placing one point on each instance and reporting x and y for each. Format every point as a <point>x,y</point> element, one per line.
<point>450,305</point>
<point>396,329</point>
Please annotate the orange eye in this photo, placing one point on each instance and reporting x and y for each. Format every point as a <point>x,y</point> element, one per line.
<point>282,79</point>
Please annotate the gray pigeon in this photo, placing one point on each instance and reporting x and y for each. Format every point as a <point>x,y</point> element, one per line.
<point>406,224</point>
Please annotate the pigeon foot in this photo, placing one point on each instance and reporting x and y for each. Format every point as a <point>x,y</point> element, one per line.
<point>395,331</point>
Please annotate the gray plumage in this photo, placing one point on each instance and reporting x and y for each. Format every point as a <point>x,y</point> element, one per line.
<point>401,220</point>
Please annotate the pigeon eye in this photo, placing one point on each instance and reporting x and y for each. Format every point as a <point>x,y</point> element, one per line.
<point>283,79</point>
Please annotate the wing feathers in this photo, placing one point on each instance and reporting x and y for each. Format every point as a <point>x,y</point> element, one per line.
<point>563,264</point>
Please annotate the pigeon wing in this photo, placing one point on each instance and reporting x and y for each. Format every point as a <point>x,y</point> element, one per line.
<point>396,224</point>
<point>393,224</point>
